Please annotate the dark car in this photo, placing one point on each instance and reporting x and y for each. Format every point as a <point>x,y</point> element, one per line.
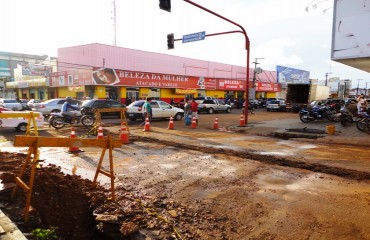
<point>90,106</point>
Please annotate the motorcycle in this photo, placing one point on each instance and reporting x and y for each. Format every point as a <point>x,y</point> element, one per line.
<point>307,115</point>
<point>363,122</point>
<point>58,120</point>
<point>345,116</point>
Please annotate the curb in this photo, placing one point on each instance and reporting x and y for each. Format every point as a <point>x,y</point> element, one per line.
<point>8,230</point>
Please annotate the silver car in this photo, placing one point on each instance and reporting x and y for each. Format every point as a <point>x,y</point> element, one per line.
<point>11,104</point>
<point>51,106</point>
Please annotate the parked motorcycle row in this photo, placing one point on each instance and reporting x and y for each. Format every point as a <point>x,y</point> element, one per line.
<point>336,113</point>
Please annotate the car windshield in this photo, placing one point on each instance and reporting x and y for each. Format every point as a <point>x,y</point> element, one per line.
<point>10,101</point>
<point>137,104</point>
<point>275,102</point>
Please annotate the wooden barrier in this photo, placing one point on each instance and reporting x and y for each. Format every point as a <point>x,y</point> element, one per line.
<point>104,110</point>
<point>27,115</point>
<point>35,142</point>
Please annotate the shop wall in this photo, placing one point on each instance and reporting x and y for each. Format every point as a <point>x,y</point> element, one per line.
<point>270,95</point>
<point>143,93</point>
<point>215,93</point>
<point>64,92</point>
<point>168,93</point>
<point>99,92</point>
<point>122,92</point>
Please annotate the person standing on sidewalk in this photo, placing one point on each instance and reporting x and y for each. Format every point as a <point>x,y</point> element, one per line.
<point>194,109</point>
<point>187,112</point>
<point>361,103</point>
<point>147,108</point>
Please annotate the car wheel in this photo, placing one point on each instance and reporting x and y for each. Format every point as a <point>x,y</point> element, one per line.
<point>22,127</point>
<point>178,117</point>
<point>211,111</point>
<point>228,110</point>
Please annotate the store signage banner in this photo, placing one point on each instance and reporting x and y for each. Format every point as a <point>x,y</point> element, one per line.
<point>291,75</point>
<point>267,87</point>
<point>79,77</point>
<point>236,85</point>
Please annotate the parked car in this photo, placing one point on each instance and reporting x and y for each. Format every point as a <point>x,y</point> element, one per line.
<point>19,124</point>
<point>254,103</point>
<point>161,110</point>
<point>214,105</point>
<point>89,106</point>
<point>31,102</point>
<point>278,105</point>
<point>11,104</point>
<point>52,106</point>
<point>202,98</point>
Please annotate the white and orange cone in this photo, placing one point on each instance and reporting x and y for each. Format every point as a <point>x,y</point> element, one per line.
<point>124,133</point>
<point>100,133</point>
<point>215,123</point>
<point>147,125</point>
<point>194,123</point>
<point>73,149</point>
<point>171,124</point>
<point>242,121</point>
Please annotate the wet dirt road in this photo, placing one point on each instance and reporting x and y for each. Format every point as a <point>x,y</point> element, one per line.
<point>236,197</point>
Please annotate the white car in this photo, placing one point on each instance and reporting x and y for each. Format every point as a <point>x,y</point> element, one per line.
<point>160,110</point>
<point>11,104</point>
<point>19,123</point>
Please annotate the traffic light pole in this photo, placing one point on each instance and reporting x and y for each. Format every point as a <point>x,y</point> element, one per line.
<point>247,47</point>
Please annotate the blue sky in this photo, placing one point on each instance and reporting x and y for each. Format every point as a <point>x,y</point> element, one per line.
<point>282,32</point>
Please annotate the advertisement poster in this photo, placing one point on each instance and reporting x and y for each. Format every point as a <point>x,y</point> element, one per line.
<point>291,75</point>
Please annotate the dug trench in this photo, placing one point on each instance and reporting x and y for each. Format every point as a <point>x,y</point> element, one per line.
<point>81,210</point>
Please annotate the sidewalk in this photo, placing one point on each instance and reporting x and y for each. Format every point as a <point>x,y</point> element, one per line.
<point>8,230</point>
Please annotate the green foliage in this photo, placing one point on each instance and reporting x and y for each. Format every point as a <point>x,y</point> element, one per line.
<point>45,234</point>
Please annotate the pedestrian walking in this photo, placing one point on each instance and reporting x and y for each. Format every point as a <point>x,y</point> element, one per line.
<point>194,109</point>
<point>147,108</point>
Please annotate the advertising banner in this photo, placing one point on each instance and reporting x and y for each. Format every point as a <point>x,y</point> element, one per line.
<point>78,77</point>
<point>291,75</point>
<point>267,87</point>
<point>233,85</point>
<point>35,70</point>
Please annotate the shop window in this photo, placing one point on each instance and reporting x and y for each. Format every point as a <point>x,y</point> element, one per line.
<point>61,80</point>
<point>70,79</point>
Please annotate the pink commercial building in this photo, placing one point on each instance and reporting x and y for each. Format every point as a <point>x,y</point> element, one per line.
<point>103,71</point>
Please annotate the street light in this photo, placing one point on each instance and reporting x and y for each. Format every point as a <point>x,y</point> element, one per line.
<point>247,47</point>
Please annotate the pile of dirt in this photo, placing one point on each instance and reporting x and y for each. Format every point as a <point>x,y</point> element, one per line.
<point>81,210</point>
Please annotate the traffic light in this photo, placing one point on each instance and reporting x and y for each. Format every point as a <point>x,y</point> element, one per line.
<point>171,41</point>
<point>165,5</point>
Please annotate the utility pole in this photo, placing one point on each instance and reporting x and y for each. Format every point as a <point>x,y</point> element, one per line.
<point>114,23</point>
<point>254,75</point>
<point>358,86</point>
<point>326,78</point>
<point>366,90</point>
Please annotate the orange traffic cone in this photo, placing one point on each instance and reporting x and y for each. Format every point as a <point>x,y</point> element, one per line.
<point>242,121</point>
<point>73,149</point>
<point>100,133</point>
<point>171,124</point>
<point>215,123</point>
<point>147,125</point>
<point>193,123</point>
<point>124,133</point>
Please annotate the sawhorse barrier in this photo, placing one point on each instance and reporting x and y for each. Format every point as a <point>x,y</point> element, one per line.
<point>34,143</point>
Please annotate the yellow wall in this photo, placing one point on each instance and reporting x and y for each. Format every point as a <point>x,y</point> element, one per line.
<point>270,95</point>
<point>99,92</point>
<point>123,92</point>
<point>215,93</point>
<point>63,92</point>
<point>144,93</point>
<point>170,93</point>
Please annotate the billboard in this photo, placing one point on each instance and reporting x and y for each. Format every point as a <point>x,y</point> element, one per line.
<point>291,75</point>
<point>350,37</point>
<point>35,70</point>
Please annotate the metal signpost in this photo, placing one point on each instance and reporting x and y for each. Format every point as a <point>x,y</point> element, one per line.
<point>194,37</point>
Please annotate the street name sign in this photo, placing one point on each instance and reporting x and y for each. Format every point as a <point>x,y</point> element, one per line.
<point>194,37</point>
